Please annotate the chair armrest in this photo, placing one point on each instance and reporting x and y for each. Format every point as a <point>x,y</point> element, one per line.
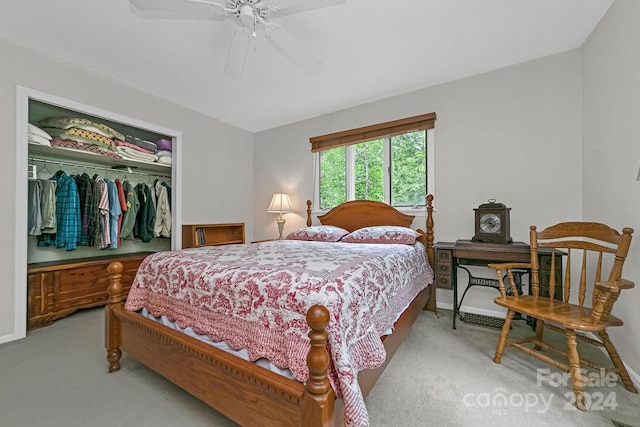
<point>509,266</point>
<point>606,296</point>
<point>615,286</point>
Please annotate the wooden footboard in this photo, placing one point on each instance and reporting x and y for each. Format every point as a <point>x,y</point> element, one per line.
<point>243,391</point>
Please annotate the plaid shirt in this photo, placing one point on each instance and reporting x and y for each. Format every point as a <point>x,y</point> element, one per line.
<point>69,223</point>
<point>87,208</point>
<point>103,235</point>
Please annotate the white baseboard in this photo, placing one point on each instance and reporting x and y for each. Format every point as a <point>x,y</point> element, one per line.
<point>444,305</point>
<point>10,337</point>
<point>473,310</point>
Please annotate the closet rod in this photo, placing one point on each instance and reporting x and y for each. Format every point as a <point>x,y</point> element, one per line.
<point>76,165</point>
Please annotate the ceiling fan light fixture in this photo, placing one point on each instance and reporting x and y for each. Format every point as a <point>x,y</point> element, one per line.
<point>247,16</point>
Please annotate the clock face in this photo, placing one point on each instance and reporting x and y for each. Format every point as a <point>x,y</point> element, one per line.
<point>490,223</point>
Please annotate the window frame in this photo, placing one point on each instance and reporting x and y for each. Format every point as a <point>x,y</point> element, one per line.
<point>380,131</point>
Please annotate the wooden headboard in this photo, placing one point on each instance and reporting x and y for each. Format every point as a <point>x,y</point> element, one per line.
<point>367,213</point>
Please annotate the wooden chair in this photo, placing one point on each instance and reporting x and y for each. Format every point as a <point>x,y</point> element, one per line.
<point>587,241</point>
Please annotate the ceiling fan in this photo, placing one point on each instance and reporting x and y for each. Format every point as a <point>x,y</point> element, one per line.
<point>251,16</point>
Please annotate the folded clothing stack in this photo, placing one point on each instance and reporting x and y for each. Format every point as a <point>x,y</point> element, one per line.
<point>77,145</point>
<point>133,154</point>
<point>84,133</point>
<point>137,149</point>
<point>164,151</point>
<point>141,143</point>
<point>39,136</point>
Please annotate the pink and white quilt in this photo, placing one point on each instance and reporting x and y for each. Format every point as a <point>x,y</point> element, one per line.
<point>256,296</point>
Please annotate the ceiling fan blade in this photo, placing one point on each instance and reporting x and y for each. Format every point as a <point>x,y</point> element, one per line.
<point>289,7</point>
<point>178,9</point>
<point>238,52</point>
<point>291,48</point>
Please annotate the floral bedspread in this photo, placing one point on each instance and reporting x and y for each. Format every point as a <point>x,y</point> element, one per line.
<point>256,296</point>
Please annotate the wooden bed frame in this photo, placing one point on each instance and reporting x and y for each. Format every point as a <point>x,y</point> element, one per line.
<point>244,392</point>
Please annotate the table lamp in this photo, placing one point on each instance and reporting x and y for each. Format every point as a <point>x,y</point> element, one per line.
<point>280,204</point>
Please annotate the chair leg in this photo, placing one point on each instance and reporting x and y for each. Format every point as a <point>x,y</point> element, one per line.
<point>617,362</point>
<point>574,369</point>
<point>539,332</point>
<point>502,341</point>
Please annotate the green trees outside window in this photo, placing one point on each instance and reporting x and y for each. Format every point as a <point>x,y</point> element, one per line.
<point>409,169</point>
<point>357,171</point>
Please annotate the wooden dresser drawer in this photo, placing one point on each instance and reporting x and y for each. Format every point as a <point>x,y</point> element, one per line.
<point>444,268</point>
<point>55,290</point>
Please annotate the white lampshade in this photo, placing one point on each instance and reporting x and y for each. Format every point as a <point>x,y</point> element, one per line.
<point>280,203</point>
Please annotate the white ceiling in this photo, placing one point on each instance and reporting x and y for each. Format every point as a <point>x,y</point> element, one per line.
<point>370,49</point>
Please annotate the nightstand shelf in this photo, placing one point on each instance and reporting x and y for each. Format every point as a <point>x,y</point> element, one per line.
<point>197,235</point>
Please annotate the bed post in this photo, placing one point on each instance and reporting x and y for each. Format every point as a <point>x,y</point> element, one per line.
<point>309,221</point>
<point>318,398</point>
<point>430,250</point>
<point>431,303</point>
<point>111,323</point>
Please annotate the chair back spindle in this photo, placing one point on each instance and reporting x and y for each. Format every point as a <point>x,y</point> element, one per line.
<point>567,278</point>
<point>535,267</point>
<point>583,279</point>
<point>552,276</point>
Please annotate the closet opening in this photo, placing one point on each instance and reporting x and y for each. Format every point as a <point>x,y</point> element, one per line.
<point>93,153</point>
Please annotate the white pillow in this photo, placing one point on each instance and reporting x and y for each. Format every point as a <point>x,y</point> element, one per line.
<point>35,130</point>
<point>37,139</point>
<point>383,234</point>
<point>319,233</point>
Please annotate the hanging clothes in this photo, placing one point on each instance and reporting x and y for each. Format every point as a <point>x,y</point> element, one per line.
<point>103,235</point>
<point>131,214</point>
<point>114,213</point>
<point>87,208</point>
<point>69,224</point>
<point>48,206</point>
<point>162,227</point>
<point>145,220</point>
<point>168,187</point>
<point>122,201</point>
<point>34,214</point>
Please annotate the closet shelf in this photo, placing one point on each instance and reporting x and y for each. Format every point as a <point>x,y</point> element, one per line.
<point>65,154</point>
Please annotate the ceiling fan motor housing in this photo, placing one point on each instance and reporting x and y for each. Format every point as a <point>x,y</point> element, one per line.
<point>247,16</point>
<point>245,9</point>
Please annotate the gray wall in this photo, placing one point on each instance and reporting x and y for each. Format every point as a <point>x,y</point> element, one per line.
<point>217,175</point>
<point>611,149</point>
<point>513,135</point>
<point>523,135</point>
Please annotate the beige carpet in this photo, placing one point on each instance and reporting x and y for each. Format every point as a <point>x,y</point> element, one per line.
<point>57,376</point>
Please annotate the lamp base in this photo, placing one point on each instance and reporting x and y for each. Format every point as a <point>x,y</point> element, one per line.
<point>280,221</point>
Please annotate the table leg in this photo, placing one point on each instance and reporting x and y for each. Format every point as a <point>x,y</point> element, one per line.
<point>482,282</point>
<point>455,290</point>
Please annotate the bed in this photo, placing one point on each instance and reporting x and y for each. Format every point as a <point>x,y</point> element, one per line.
<point>250,394</point>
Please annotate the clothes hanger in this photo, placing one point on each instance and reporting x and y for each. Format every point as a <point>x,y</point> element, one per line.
<point>45,169</point>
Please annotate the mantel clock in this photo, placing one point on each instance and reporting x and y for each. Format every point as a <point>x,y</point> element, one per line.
<point>492,223</point>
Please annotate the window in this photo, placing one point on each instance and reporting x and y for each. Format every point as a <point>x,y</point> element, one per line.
<point>391,162</point>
